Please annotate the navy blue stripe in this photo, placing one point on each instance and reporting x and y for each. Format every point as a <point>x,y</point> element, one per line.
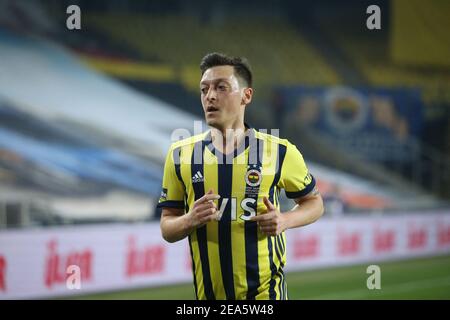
<point>271,192</point>
<point>280,256</point>
<point>285,288</point>
<point>176,162</point>
<point>186,204</point>
<point>281,244</point>
<point>304,192</point>
<point>251,227</point>
<point>171,204</point>
<point>251,259</point>
<point>278,190</point>
<point>199,191</point>
<point>279,163</point>
<point>273,269</point>
<point>276,196</point>
<point>280,247</point>
<point>225,178</point>
<point>203,248</point>
<point>282,285</point>
<point>193,268</point>
<point>280,269</point>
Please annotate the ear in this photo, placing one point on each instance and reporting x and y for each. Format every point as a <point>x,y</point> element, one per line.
<point>247,96</point>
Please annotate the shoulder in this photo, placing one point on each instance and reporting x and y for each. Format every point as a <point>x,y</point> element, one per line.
<point>269,138</point>
<point>286,148</point>
<point>187,141</point>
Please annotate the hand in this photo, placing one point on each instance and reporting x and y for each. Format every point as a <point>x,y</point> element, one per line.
<point>203,210</point>
<point>271,223</point>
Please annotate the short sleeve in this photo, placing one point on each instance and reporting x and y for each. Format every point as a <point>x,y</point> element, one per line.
<point>172,194</point>
<point>295,178</point>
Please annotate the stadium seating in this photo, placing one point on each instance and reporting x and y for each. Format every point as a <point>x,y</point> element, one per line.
<point>278,52</point>
<point>371,54</point>
<point>52,142</point>
<point>87,132</point>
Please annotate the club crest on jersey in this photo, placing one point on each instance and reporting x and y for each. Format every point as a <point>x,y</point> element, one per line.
<point>253,177</point>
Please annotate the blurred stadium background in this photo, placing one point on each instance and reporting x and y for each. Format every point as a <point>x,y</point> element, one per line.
<point>86,118</point>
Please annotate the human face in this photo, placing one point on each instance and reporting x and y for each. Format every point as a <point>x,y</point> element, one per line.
<point>223,98</point>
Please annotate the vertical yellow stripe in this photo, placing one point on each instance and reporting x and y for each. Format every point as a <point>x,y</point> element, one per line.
<point>197,267</point>
<point>211,182</point>
<point>185,169</point>
<point>237,226</point>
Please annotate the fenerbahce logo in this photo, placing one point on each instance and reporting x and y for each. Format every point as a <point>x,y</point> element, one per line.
<point>253,178</point>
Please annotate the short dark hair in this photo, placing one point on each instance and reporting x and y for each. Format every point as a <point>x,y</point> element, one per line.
<point>240,64</point>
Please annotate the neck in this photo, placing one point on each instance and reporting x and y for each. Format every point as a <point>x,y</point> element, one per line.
<point>228,138</point>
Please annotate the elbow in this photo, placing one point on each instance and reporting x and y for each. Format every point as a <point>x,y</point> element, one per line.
<point>320,209</point>
<point>165,236</point>
<point>168,237</point>
<point>171,225</point>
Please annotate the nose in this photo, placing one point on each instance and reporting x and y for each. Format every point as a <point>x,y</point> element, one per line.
<point>211,95</point>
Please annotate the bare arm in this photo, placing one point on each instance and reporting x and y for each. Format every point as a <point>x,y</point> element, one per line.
<point>307,210</point>
<point>175,225</point>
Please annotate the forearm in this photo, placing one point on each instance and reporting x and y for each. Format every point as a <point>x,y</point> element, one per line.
<point>175,225</point>
<point>306,213</point>
<point>176,228</point>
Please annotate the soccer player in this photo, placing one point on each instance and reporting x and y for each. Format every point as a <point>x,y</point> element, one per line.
<point>221,189</point>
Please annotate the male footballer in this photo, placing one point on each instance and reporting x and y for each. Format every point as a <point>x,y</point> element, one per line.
<point>221,190</point>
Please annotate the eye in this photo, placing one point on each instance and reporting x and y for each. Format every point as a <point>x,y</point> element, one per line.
<point>204,90</point>
<point>222,87</point>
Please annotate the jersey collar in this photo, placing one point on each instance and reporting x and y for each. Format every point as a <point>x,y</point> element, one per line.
<point>249,136</point>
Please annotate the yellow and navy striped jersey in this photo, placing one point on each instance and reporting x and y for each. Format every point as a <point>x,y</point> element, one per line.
<point>231,258</point>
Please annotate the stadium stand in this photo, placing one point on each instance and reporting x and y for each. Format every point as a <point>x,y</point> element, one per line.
<point>52,139</point>
<point>384,59</point>
<point>86,118</point>
<point>69,127</point>
<point>278,51</point>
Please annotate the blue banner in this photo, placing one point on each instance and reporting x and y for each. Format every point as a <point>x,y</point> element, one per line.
<point>376,123</point>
